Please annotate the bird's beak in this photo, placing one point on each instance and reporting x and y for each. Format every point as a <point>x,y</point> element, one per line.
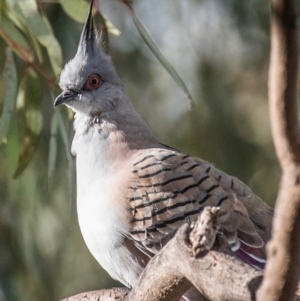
<point>65,97</point>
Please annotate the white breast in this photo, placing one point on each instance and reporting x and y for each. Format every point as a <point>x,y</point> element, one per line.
<point>101,209</point>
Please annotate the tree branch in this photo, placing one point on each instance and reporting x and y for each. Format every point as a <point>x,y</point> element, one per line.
<point>283,267</point>
<point>115,293</point>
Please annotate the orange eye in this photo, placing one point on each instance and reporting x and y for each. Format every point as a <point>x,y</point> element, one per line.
<point>93,82</point>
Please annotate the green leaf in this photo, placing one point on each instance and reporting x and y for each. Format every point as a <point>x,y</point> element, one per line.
<point>19,21</point>
<point>11,34</point>
<point>30,104</point>
<point>10,80</point>
<point>155,50</point>
<point>41,27</point>
<point>53,147</point>
<point>111,28</point>
<point>102,27</point>
<point>64,133</point>
<point>75,9</point>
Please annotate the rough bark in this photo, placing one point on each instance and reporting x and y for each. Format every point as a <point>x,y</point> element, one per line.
<point>115,293</point>
<point>283,267</point>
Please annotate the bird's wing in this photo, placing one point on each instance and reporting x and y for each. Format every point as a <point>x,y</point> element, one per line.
<point>169,188</point>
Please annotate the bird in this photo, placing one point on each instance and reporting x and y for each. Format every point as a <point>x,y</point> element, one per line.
<point>133,191</point>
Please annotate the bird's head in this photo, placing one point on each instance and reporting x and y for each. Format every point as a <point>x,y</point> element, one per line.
<point>89,81</point>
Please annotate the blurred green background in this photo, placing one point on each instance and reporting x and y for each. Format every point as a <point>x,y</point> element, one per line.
<point>220,49</point>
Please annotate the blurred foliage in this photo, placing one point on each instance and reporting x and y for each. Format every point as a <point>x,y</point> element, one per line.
<point>221,50</point>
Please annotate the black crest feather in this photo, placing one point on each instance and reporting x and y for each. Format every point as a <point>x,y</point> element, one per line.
<point>88,35</point>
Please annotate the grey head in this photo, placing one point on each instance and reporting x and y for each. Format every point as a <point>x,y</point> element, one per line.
<point>89,81</point>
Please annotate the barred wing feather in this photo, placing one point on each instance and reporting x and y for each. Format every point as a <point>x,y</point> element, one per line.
<point>169,188</point>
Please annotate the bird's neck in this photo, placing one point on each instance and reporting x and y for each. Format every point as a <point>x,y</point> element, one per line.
<point>117,133</point>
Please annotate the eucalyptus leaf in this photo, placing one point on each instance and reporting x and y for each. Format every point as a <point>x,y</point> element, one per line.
<point>111,28</point>
<point>30,95</point>
<point>10,80</point>
<point>12,35</point>
<point>41,27</point>
<point>64,133</point>
<point>155,50</point>
<point>20,22</point>
<point>52,147</point>
<point>102,27</point>
<point>75,9</point>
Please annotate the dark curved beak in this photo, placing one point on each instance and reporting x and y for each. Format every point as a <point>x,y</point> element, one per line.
<point>65,97</point>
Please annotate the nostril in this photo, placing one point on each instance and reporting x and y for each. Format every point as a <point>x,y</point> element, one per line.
<point>70,92</point>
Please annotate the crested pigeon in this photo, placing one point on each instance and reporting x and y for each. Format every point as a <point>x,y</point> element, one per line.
<point>134,192</point>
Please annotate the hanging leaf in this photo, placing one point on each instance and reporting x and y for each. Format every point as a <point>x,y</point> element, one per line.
<point>52,147</point>
<point>75,9</point>
<point>30,104</point>
<point>10,80</point>
<point>111,28</point>
<point>155,50</point>
<point>102,28</point>
<point>10,33</point>
<point>14,14</point>
<point>64,133</point>
<point>41,27</point>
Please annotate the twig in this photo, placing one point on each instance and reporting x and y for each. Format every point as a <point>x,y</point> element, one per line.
<point>283,267</point>
<point>25,55</point>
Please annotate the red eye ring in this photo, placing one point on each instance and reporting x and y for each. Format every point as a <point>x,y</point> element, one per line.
<point>93,82</point>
